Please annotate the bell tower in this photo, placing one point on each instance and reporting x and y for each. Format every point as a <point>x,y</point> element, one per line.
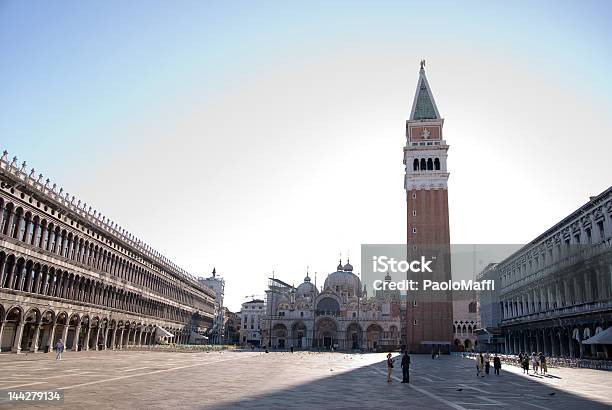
<point>428,313</point>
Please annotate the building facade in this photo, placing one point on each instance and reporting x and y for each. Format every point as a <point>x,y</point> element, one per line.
<point>232,327</point>
<point>465,323</point>
<point>216,334</point>
<point>251,322</point>
<point>340,317</point>
<point>488,334</point>
<point>429,315</point>
<point>68,272</point>
<point>556,291</point>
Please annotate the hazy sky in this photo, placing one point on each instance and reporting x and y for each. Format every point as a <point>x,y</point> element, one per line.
<point>257,136</point>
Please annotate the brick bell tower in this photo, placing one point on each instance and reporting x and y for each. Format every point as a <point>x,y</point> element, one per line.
<point>429,314</point>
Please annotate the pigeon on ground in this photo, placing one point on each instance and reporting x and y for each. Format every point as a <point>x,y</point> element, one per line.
<point>551,394</point>
<point>459,389</point>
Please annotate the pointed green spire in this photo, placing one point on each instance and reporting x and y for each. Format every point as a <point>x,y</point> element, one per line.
<point>424,106</point>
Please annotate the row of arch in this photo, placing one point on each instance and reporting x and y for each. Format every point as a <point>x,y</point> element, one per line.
<point>328,334</point>
<point>463,329</point>
<point>27,227</point>
<point>429,164</point>
<point>26,275</point>
<point>564,341</point>
<point>35,329</point>
<point>466,345</point>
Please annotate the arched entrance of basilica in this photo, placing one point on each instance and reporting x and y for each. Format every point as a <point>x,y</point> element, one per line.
<point>326,334</point>
<point>373,335</point>
<point>298,333</point>
<point>279,336</point>
<point>353,336</point>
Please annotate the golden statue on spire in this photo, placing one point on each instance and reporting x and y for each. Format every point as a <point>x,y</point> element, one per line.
<point>422,64</point>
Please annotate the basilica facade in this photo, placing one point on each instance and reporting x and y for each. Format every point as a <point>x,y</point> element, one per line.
<point>67,272</point>
<point>340,316</point>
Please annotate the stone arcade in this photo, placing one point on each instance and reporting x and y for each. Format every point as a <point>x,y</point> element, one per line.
<point>68,272</point>
<point>556,291</point>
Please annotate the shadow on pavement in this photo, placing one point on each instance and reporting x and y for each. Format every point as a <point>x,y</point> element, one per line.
<point>448,382</point>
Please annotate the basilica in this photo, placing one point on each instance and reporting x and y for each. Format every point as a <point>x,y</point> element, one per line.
<point>340,316</point>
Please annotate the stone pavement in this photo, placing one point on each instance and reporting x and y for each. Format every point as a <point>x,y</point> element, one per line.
<point>223,380</point>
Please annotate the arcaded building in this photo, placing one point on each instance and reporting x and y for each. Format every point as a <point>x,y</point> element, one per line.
<point>340,316</point>
<point>68,272</point>
<point>429,315</point>
<point>556,291</point>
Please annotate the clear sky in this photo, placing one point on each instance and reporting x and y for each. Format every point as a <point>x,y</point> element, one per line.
<point>256,136</point>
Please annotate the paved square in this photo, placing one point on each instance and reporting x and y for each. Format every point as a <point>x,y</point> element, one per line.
<point>160,380</point>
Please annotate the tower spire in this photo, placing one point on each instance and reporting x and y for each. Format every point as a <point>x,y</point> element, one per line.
<point>424,107</point>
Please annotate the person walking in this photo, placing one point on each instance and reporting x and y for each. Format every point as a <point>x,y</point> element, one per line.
<point>543,368</point>
<point>487,363</point>
<point>405,367</point>
<point>59,349</point>
<point>525,364</point>
<point>480,365</point>
<point>534,362</point>
<point>496,364</point>
<point>389,367</point>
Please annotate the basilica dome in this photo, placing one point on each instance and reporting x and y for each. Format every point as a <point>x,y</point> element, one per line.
<point>307,288</point>
<point>343,281</point>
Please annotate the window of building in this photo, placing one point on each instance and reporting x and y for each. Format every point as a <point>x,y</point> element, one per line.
<point>414,230</point>
<point>414,195</point>
<point>354,314</point>
<point>600,228</point>
<point>414,322</point>
<point>414,303</point>
<point>413,213</point>
<point>588,234</point>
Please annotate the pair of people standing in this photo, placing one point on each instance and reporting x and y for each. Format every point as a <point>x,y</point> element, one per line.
<point>405,363</point>
<point>483,364</point>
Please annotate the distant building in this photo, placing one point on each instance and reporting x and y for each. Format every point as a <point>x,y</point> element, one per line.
<point>217,284</point>
<point>232,327</point>
<point>465,322</point>
<point>489,334</point>
<point>341,316</point>
<point>251,318</point>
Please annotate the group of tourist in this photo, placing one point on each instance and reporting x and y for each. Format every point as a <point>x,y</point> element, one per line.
<point>483,364</point>
<point>537,360</point>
